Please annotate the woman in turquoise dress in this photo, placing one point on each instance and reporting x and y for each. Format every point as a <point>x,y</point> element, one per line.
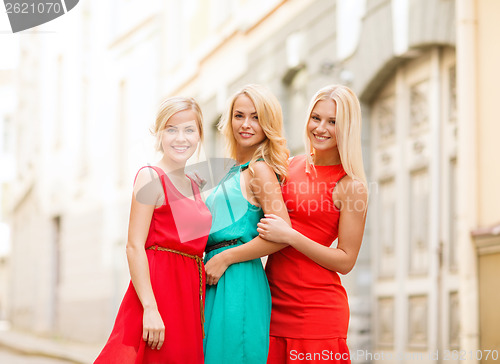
<point>238,302</point>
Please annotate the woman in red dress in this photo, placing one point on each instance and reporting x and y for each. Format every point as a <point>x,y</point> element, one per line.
<point>326,197</point>
<point>160,319</point>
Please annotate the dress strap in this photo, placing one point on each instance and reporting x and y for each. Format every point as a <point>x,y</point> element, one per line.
<point>161,175</point>
<point>247,164</point>
<point>195,187</point>
<point>337,182</point>
<point>229,208</point>
<point>345,174</point>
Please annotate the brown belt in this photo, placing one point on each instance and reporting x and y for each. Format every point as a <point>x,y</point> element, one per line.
<point>199,262</point>
<point>222,244</point>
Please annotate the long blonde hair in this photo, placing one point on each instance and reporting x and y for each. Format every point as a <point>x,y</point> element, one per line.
<point>347,130</point>
<point>168,108</point>
<point>273,148</point>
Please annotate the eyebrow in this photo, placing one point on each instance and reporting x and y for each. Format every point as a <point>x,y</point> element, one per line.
<point>241,112</point>
<point>316,114</point>
<point>176,127</point>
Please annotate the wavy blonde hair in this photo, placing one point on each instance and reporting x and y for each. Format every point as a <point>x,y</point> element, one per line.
<point>347,130</point>
<point>168,108</point>
<point>273,148</point>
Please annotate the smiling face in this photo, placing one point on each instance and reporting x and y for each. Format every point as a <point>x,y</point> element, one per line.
<point>321,126</point>
<point>247,131</point>
<point>180,137</point>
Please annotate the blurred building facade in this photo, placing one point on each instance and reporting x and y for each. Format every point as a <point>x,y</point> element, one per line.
<point>7,143</point>
<point>425,74</point>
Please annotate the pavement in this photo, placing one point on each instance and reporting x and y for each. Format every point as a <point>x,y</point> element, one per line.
<point>56,348</point>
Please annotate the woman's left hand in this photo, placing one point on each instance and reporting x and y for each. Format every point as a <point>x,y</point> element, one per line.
<point>275,229</point>
<point>215,268</point>
<point>198,179</point>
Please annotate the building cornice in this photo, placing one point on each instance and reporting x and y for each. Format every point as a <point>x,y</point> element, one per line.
<point>487,239</point>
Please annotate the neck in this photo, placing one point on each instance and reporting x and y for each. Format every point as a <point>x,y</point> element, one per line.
<point>327,157</point>
<point>243,157</point>
<point>171,167</point>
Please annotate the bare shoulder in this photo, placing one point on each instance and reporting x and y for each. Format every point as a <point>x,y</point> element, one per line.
<point>350,194</point>
<point>146,176</point>
<point>148,188</point>
<point>263,171</point>
<point>264,180</point>
<point>352,188</point>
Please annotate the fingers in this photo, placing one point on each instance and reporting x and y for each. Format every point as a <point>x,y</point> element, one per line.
<point>263,223</point>
<point>153,332</point>
<point>212,275</point>
<point>161,339</point>
<point>212,279</point>
<point>154,338</point>
<point>272,216</point>
<point>262,228</point>
<point>214,270</point>
<point>200,180</point>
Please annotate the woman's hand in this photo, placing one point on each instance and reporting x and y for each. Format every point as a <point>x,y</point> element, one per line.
<point>216,267</point>
<point>153,329</point>
<point>275,229</point>
<point>198,179</point>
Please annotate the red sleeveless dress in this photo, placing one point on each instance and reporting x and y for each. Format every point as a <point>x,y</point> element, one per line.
<point>180,224</point>
<point>310,312</point>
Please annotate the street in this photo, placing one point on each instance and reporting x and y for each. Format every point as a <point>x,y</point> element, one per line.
<point>12,357</point>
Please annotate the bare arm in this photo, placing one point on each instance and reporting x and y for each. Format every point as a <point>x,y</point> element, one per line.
<point>352,200</point>
<point>267,193</point>
<point>143,204</point>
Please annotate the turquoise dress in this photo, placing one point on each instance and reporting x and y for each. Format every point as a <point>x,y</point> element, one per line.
<point>238,307</point>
